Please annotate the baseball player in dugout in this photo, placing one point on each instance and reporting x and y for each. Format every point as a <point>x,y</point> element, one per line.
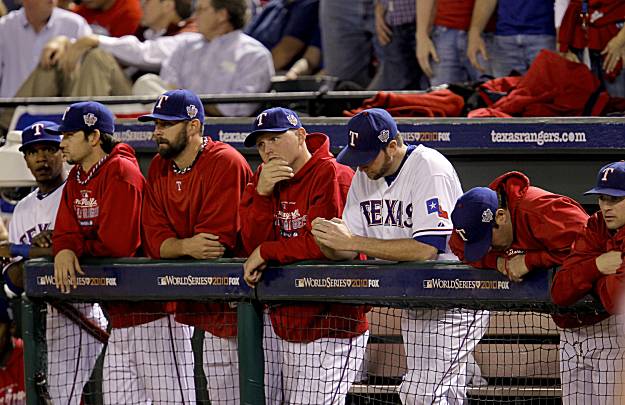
<point>321,346</point>
<point>517,228</point>
<point>103,195</point>
<point>593,349</point>
<point>397,209</point>
<point>190,210</point>
<point>72,350</point>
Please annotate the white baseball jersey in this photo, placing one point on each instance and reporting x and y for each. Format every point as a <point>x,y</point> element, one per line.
<point>417,203</point>
<point>33,215</point>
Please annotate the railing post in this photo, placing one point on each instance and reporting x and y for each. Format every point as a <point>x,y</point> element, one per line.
<point>251,357</point>
<point>33,335</point>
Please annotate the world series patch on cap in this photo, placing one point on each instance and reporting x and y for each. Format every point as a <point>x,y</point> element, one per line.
<point>40,132</point>
<point>473,218</point>
<point>176,105</point>
<point>87,116</point>
<point>276,119</point>
<point>368,132</point>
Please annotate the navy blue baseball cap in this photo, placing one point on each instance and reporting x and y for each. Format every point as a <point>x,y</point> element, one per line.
<point>368,132</point>
<point>39,132</point>
<point>610,180</point>
<point>176,105</point>
<point>473,218</point>
<point>87,116</point>
<point>275,119</point>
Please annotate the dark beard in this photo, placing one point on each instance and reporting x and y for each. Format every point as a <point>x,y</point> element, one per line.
<point>176,147</point>
<point>385,167</point>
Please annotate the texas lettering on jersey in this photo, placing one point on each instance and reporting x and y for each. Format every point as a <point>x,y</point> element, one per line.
<point>387,213</point>
<point>86,208</point>
<point>27,237</point>
<point>290,220</point>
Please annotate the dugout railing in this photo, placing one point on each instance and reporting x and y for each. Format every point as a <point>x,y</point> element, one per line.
<point>518,354</point>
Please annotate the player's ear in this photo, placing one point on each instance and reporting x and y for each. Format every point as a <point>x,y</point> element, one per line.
<point>301,135</point>
<point>501,216</point>
<point>94,137</point>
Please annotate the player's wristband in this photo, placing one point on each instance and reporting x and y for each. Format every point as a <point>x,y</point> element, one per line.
<point>20,250</point>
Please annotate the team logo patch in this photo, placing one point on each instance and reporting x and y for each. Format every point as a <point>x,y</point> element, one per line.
<point>384,135</point>
<point>192,111</point>
<point>90,119</point>
<point>487,215</point>
<point>291,118</point>
<point>433,206</point>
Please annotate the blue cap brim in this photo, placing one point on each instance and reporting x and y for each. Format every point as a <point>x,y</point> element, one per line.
<point>250,140</point>
<point>63,128</point>
<point>475,251</point>
<point>36,141</point>
<point>350,157</point>
<point>154,117</point>
<point>614,192</point>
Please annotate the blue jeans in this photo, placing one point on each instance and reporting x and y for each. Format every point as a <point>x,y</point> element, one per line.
<point>454,66</point>
<point>616,87</point>
<point>399,69</point>
<point>348,39</point>
<point>516,52</point>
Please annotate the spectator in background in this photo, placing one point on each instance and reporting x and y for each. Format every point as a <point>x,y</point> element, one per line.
<point>596,37</point>
<point>88,66</point>
<point>523,28</point>
<point>395,25</point>
<point>25,36</point>
<point>111,17</point>
<point>219,59</point>
<point>592,348</point>
<point>348,40</point>
<point>442,48</point>
<point>290,30</point>
<point>12,389</point>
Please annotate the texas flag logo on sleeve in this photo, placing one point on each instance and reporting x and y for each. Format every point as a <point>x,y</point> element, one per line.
<point>433,206</point>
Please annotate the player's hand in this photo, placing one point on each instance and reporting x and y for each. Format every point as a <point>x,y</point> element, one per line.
<point>53,51</point>
<point>66,266</point>
<point>614,52</point>
<point>425,51</point>
<point>475,46</point>
<point>43,239</point>
<point>382,30</point>
<point>513,267</point>
<point>5,249</point>
<point>203,246</point>
<point>274,171</point>
<point>74,52</point>
<point>609,262</point>
<point>253,268</point>
<point>333,234</point>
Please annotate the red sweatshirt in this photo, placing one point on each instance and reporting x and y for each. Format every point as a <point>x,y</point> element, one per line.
<point>205,199</point>
<point>579,274</point>
<point>103,219</point>
<point>281,225</point>
<point>545,224</point>
<point>12,376</point>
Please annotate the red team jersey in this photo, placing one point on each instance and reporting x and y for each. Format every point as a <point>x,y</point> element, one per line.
<point>205,199</point>
<point>103,219</point>
<point>12,376</point>
<point>545,224</point>
<point>281,225</point>
<point>579,274</point>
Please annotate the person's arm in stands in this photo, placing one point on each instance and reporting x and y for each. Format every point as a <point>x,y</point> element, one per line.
<point>482,11</point>
<point>426,9</point>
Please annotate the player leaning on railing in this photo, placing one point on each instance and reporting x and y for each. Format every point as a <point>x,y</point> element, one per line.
<point>72,350</point>
<point>592,351</point>
<point>398,209</point>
